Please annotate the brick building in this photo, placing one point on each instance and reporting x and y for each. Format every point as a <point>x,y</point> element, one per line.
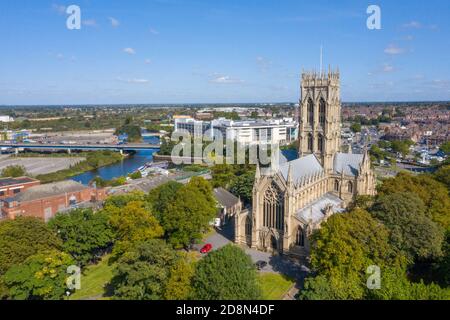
<point>9,187</point>
<point>44,201</point>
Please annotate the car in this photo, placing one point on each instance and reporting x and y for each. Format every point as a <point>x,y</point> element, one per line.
<point>206,248</point>
<point>261,264</point>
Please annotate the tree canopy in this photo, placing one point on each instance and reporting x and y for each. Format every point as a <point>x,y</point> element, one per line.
<point>226,274</point>
<point>22,238</point>
<point>85,235</point>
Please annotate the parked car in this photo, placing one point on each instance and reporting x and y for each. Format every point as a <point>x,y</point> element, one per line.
<point>261,264</point>
<point>206,248</point>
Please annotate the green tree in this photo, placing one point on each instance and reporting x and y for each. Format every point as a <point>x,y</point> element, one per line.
<point>226,274</point>
<point>179,286</point>
<point>14,172</point>
<point>22,238</point>
<point>160,197</point>
<point>445,147</point>
<point>411,230</point>
<point>133,223</point>
<point>222,175</point>
<point>143,272</point>
<point>84,234</point>
<point>40,277</point>
<point>356,127</point>
<point>443,175</point>
<point>243,186</point>
<point>433,194</point>
<point>189,214</point>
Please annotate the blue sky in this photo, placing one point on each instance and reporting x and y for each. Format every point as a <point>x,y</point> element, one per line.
<point>200,51</point>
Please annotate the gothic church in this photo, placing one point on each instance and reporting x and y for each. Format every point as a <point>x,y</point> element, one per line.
<point>293,200</point>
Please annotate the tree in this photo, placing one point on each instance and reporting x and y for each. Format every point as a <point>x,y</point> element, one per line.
<point>161,196</point>
<point>243,186</point>
<point>190,213</point>
<point>40,277</point>
<point>14,172</point>
<point>179,284</point>
<point>401,146</point>
<point>226,274</point>
<point>445,147</point>
<point>222,175</point>
<point>356,127</point>
<point>143,272</point>
<point>433,194</point>
<point>133,224</point>
<point>443,175</point>
<point>411,231</point>
<point>85,234</point>
<point>22,238</point>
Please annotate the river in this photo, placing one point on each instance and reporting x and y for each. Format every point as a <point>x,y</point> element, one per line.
<point>127,166</point>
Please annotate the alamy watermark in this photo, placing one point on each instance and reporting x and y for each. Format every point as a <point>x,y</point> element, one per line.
<point>73,22</point>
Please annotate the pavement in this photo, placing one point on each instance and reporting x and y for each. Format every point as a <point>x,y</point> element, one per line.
<point>275,263</point>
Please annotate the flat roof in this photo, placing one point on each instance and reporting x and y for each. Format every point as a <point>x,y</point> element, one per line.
<point>4,182</point>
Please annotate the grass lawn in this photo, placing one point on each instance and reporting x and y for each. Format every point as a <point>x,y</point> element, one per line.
<point>274,286</point>
<point>93,281</point>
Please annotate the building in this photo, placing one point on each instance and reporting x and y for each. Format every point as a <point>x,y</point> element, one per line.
<point>229,205</point>
<point>6,119</point>
<point>293,199</point>
<point>10,187</point>
<point>246,132</point>
<point>278,131</point>
<point>45,201</point>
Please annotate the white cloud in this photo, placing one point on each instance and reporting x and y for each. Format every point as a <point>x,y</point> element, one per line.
<point>154,31</point>
<point>147,61</point>
<point>263,63</point>
<point>413,25</point>
<point>89,23</point>
<point>133,80</point>
<point>59,56</point>
<point>58,8</point>
<point>393,50</point>
<point>225,80</point>
<point>114,22</point>
<point>129,50</point>
<point>388,68</point>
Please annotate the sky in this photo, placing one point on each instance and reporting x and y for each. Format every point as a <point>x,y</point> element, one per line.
<point>220,51</point>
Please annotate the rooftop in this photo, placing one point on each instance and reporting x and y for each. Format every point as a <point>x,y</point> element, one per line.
<point>225,198</point>
<point>315,212</point>
<point>4,182</point>
<point>301,167</point>
<point>347,162</point>
<point>48,190</point>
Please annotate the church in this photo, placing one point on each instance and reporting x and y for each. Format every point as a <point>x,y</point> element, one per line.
<point>292,200</point>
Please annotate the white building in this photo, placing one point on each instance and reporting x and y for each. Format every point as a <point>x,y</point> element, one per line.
<point>281,131</point>
<point>6,119</point>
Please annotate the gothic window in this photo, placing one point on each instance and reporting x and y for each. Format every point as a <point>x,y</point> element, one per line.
<point>321,143</point>
<point>336,185</point>
<point>300,237</point>
<point>248,226</point>
<point>350,187</point>
<point>273,213</point>
<point>310,112</point>
<point>310,142</point>
<point>322,112</point>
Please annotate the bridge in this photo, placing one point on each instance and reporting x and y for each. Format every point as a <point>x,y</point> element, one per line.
<point>69,147</point>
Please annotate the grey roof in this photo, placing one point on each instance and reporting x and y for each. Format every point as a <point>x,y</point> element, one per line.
<point>315,211</point>
<point>225,198</point>
<point>4,182</point>
<point>48,190</point>
<point>301,167</point>
<point>349,162</point>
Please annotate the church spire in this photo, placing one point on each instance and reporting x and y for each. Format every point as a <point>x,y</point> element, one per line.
<point>290,178</point>
<point>258,172</point>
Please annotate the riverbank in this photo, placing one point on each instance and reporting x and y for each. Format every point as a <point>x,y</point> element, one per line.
<point>93,161</point>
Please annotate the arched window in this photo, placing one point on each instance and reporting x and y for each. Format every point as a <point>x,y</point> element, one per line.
<point>336,185</point>
<point>273,216</point>
<point>310,112</point>
<point>350,187</point>
<point>322,112</point>
<point>300,237</point>
<point>321,143</point>
<point>310,142</point>
<point>248,226</point>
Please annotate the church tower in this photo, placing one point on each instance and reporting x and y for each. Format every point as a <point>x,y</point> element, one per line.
<point>320,116</point>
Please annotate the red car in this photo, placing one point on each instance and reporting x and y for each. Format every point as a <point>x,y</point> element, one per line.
<point>206,248</point>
